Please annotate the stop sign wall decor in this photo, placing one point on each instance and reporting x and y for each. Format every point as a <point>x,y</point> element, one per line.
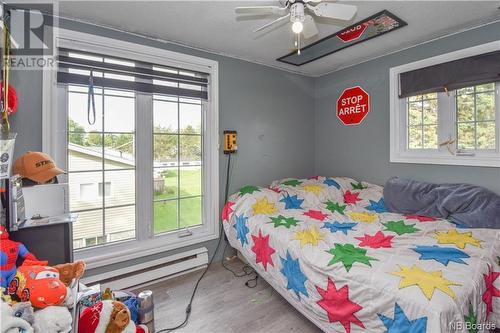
<point>353,105</point>
<point>350,34</point>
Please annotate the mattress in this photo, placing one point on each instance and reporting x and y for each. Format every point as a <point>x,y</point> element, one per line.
<point>330,247</point>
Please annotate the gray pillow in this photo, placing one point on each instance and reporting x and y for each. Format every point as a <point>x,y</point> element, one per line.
<point>464,204</point>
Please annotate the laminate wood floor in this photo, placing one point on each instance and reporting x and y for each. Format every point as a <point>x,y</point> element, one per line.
<point>224,304</point>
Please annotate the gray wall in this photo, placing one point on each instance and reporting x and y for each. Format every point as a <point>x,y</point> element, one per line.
<point>271,110</point>
<point>362,152</point>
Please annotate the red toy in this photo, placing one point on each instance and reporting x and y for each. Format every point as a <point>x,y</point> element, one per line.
<point>12,99</point>
<point>9,252</point>
<point>39,285</point>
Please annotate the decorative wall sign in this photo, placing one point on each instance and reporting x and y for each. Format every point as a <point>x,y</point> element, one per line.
<point>373,26</point>
<point>353,105</point>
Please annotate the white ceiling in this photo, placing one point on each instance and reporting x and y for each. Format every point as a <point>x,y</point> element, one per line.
<point>213,26</point>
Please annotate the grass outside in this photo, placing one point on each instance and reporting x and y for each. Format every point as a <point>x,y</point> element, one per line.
<point>187,183</point>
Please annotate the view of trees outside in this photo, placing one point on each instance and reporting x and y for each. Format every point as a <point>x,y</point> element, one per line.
<point>177,174</point>
<point>423,121</point>
<point>177,157</point>
<point>475,125</point>
<point>476,117</point>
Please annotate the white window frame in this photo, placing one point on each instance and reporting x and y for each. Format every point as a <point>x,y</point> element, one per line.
<point>54,142</point>
<point>399,152</point>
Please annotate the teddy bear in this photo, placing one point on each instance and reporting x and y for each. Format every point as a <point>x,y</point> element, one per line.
<point>106,316</point>
<point>70,272</point>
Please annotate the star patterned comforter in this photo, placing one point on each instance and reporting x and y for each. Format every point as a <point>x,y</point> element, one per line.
<point>330,247</point>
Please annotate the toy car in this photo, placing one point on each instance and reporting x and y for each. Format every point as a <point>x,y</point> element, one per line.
<point>39,285</point>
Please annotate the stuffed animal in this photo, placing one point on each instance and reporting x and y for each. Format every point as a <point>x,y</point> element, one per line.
<point>106,317</point>
<point>24,310</point>
<point>9,252</point>
<point>70,272</point>
<point>53,319</point>
<point>39,285</point>
<point>9,323</point>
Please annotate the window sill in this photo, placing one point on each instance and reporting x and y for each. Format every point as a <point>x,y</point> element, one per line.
<point>491,160</point>
<point>114,253</point>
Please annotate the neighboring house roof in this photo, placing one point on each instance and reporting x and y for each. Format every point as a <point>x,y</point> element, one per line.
<point>111,155</point>
<point>124,158</point>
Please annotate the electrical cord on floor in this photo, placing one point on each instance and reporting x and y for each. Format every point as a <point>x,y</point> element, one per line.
<point>246,271</point>
<point>190,304</point>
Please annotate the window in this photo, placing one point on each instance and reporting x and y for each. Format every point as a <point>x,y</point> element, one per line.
<point>459,126</point>
<point>106,188</point>
<point>477,117</point>
<point>422,121</point>
<point>98,155</point>
<point>138,175</point>
<point>177,176</point>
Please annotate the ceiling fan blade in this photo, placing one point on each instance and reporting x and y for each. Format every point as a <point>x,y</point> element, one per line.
<point>310,28</point>
<point>262,10</point>
<point>334,10</point>
<point>272,23</point>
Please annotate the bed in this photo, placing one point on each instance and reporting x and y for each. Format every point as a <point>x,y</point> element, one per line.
<point>330,247</point>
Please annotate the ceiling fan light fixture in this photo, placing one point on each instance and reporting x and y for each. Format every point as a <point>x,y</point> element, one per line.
<point>297,27</point>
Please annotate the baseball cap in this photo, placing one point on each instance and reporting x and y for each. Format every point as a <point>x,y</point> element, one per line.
<point>36,166</point>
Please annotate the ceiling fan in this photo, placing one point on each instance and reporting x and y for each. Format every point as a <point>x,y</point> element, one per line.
<point>298,12</point>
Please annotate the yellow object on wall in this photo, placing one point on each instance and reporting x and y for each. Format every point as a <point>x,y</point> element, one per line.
<point>230,145</point>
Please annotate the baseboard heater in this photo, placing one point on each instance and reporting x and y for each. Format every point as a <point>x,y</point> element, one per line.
<point>151,271</point>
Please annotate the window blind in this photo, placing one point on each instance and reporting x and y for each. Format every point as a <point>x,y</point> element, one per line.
<point>76,67</point>
<point>461,73</point>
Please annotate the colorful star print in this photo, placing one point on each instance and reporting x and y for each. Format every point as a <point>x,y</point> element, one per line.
<point>292,182</point>
<point>309,236</point>
<point>331,182</point>
<point>296,279</point>
<point>420,218</point>
<point>442,255</point>
<point>376,241</point>
<point>275,189</point>
<point>263,206</point>
<point>363,217</point>
<point>351,198</point>
<point>241,229</point>
<point>357,186</point>
<point>471,320</point>
<point>459,239</point>
<point>335,207</point>
<point>227,210</point>
<point>338,306</point>
<point>426,281</point>
<point>282,221</point>
<point>262,250</point>
<point>401,323</point>
<point>316,214</point>
<point>400,227</point>
<point>337,226</point>
<point>313,188</point>
<point>313,178</point>
<point>377,206</point>
<point>292,202</point>
<point>348,254</point>
<point>248,189</point>
<point>490,290</point>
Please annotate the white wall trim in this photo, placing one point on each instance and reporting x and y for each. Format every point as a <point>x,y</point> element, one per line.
<point>54,130</point>
<point>398,151</point>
